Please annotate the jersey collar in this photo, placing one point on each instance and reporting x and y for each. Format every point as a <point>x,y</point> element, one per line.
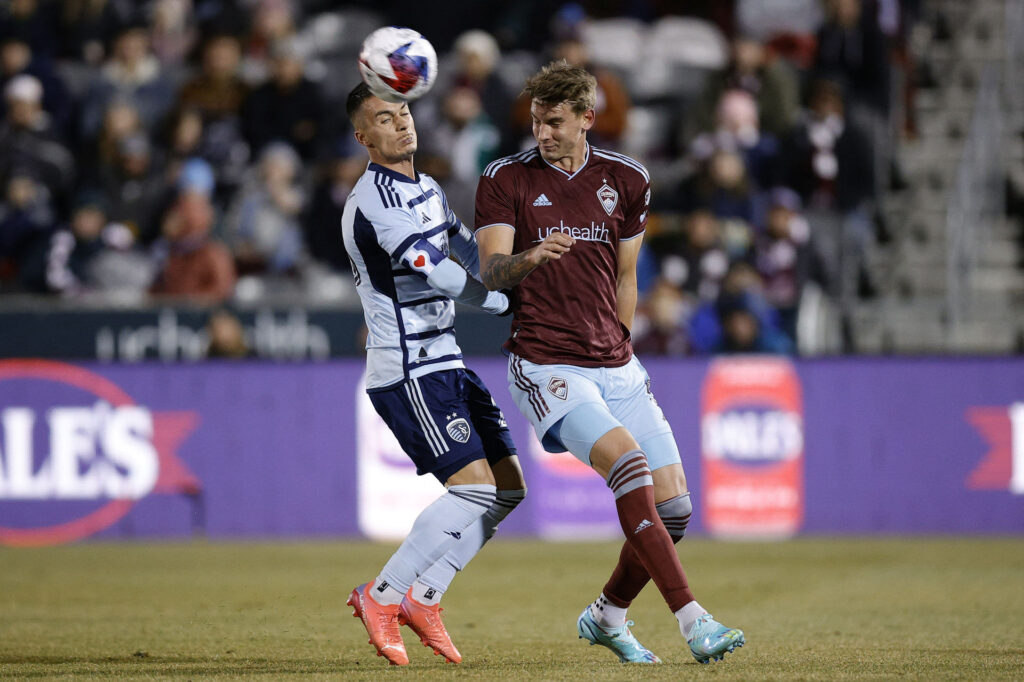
<point>401,177</point>
<point>568,175</point>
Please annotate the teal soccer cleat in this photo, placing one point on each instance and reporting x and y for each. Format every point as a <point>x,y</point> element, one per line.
<point>710,640</point>
<point>620,640</point>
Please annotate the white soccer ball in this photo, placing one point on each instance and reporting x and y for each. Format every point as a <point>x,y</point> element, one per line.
<point>397,64</point>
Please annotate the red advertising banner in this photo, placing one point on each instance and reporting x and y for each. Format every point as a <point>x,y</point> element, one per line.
<point>752,448</point>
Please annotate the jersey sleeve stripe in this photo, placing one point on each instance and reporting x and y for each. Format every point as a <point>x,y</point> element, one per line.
<point>638,234</point>
<point>422,301</point>
<point>421,198</point>
<point>624,160</point>
<point>521,157</point>
<point>484,227</point>
<point>406,243</point>
<point>430,333</point>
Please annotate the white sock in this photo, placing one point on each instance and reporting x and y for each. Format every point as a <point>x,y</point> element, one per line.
<point>436,529</point>
<point>439,576</point>
<point>425,594</point>
<point>607,614</point>
<point>687,616</point>
<point>384,592</point>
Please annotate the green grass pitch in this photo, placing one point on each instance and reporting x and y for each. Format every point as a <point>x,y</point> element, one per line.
<point>812,609</point>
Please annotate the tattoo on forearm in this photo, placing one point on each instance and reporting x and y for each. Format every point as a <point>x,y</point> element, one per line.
<point>502,271</point>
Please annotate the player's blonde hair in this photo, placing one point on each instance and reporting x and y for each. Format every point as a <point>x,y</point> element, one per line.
<point>559,82</point>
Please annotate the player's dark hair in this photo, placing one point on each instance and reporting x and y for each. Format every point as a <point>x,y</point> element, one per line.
<point>559,82</point>
<point>355,100</point>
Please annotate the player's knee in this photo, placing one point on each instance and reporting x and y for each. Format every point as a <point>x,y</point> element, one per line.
<point>628,473</point>
<point>675,514</point>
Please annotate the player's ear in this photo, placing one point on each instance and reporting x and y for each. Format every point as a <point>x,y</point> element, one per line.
<point>589,117</point>
<point>361,139</point>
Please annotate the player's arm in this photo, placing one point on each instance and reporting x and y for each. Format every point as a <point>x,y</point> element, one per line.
<point>626,289</point>
<point>453,281</point>
<point>500,269</point>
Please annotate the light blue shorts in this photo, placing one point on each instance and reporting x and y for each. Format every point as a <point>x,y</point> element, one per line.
<point>599,400</point>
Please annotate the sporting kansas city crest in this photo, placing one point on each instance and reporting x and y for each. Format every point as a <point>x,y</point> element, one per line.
<point>458,430</point>
<point>608,197</point>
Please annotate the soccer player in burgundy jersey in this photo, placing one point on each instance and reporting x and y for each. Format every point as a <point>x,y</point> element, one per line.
<point>561,225</point>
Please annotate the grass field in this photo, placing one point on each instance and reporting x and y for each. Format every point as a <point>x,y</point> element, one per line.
<point>812,609</point>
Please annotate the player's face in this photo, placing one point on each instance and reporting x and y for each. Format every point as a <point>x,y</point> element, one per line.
<point>387,130</point>
<point>560,132</point>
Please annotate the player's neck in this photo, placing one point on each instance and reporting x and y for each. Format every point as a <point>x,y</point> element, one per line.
<point>574,161</point>
<point>405,167</point>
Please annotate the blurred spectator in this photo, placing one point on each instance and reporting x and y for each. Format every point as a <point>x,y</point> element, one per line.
<point>272,22</point>
<point>783,256</point>
<point>737,128</point>
<point>28,141</point>
<point>460,147</point>
<point>34,20</point>
<point>121,120</point>
<point>828,157</point>
<point>172,32</point>
<point>192,264</point>
<point>697,262</point>
<point>91,254</point>
<point>830,164</point>
<point>227,338</point>
<point>218,90</point>
<point>87,26</point>
<point>132,73</point>
<point>135,188</point>
<point>477,56</point>
<point>27,219</point>
<point>262,226</point>
<point>660,324</point>
<point>16,58</point>
<point>770,81</point>
<point>322,221</point>
<point>786,27</point>
<point>739,320</point>
<point>288,107</point>
<point>722,185</point>
<point>218,94</point>
<point>853,51</point>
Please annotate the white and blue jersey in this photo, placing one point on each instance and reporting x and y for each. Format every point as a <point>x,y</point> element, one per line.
<point>396,231</point>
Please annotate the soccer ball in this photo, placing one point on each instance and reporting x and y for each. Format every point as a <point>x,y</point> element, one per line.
<point>397,64</point>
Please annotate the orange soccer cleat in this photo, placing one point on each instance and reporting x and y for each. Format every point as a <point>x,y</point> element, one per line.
<point>381,622</point>
<point>425,621</point>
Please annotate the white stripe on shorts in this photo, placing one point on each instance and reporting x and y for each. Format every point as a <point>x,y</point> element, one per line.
<point>430,430</point>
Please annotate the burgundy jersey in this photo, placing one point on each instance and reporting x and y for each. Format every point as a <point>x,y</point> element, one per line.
<point>565,310</point>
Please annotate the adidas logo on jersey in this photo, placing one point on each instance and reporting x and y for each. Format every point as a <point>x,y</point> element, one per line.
<point>643,526</point>
<point>542,200</point>
<point>425,218</point>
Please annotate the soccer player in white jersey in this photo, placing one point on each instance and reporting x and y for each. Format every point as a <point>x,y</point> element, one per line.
<point>561,225</point>
<point>398,231</point>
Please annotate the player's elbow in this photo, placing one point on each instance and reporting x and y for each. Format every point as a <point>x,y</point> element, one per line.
<point>487,276</point>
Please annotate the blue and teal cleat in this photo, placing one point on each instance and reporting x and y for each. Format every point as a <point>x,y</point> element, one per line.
<point>620,640</point>
<point>710,640</point>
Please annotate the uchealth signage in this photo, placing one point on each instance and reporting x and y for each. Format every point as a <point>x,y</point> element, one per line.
<point>752,448</point>
<point>77,452</point>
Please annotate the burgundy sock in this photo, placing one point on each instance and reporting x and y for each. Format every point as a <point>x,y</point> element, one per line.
<point>630,480</point>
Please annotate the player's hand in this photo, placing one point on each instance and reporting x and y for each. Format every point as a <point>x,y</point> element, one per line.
<point>554,246</point>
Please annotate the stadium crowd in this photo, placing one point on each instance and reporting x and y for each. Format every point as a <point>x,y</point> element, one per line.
<point>197,149</point>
